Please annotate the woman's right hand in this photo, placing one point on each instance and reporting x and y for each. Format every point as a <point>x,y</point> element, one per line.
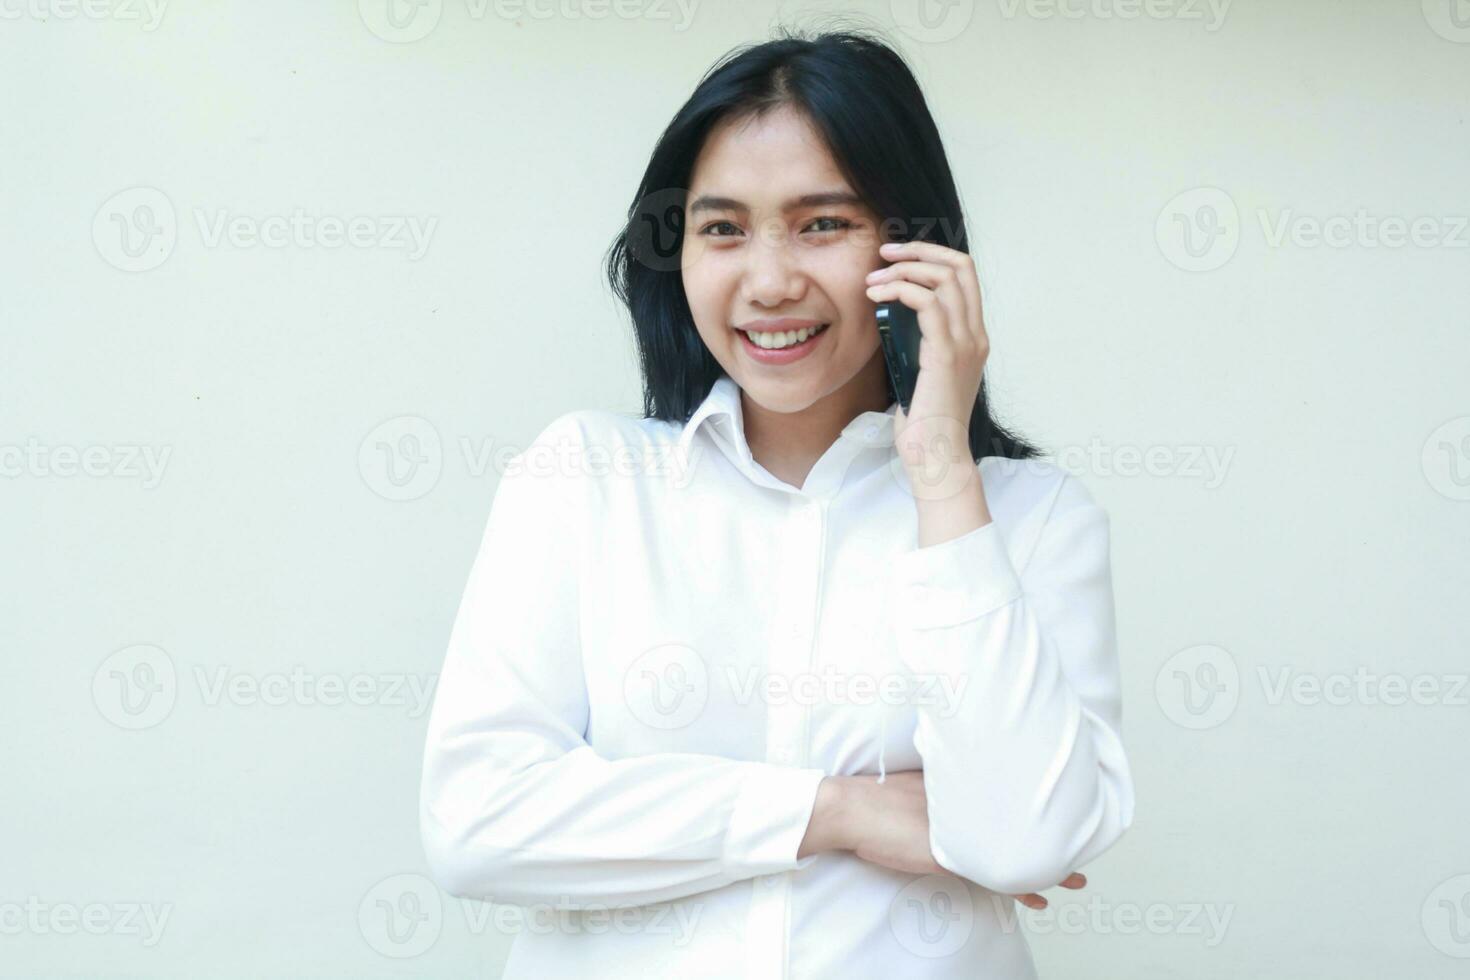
<point>885,823</point>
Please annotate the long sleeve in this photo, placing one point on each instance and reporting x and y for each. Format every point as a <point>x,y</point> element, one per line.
<point>515,805</point>
<point>1026,776</point>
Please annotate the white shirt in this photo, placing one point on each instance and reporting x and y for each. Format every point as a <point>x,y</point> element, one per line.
<point>662,649</point>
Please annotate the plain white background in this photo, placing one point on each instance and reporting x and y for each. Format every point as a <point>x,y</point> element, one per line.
<point>246,463</point>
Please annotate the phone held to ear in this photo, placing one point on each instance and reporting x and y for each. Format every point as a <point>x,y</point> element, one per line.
<point>898,330</point>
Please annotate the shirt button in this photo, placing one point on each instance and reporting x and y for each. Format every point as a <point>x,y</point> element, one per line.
<point>771,880</point>
<point>870,431</point>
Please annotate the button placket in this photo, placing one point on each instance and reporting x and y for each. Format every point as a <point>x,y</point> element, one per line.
<point>803,609</point>
<point>788,720</point>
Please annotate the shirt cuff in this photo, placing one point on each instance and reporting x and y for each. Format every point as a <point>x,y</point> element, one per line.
<point>954,581</point>
<point>770,819</point>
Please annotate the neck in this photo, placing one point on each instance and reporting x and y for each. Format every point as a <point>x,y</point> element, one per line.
<point>788,444</point>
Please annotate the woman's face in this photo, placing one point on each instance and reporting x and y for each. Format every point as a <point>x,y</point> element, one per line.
<point>761,247</point>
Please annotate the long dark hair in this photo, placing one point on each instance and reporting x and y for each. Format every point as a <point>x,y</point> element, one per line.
<point>862,96</point>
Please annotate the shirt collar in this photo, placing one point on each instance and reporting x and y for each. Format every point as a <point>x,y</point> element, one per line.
<point>721,407</point>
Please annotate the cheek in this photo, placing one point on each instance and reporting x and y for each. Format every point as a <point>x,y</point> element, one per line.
<point>842,269</point>
<point>847,284</point>
<point>699,287</point>
<point>708,294</point>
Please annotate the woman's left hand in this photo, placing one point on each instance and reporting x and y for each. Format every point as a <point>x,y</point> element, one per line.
<point>940,284</point>
<point>1034,901</point>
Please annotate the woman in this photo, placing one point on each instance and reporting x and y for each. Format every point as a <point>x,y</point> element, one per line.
<point>781,680</point>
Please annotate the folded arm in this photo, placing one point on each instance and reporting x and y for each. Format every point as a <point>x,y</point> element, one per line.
<point>515,805</point>
<point>1026,776</point>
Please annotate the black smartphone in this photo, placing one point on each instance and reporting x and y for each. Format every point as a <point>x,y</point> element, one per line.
<point>898,330</point>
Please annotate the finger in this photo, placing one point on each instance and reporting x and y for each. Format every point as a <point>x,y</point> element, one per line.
<point>931,274</point>
<point>934,312</point>
<point>962,263</point>
<point>1074,880</point>
<point>943,280</point>
<point>1031,900</point>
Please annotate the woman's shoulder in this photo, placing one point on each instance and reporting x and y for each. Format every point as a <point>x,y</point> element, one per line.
<point>1036,486</point>
<point>1035,500</point>
<point>588,445</point>
<point>598,427</point>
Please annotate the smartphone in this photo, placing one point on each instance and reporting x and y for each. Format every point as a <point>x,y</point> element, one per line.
<point>898,330</point>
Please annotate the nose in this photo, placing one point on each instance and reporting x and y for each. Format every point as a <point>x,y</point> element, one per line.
<point>773,276</point>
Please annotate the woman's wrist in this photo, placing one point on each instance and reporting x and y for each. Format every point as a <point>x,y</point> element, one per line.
<point>829,827</point>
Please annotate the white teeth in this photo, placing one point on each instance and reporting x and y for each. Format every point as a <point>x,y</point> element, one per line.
<point>783,338</point>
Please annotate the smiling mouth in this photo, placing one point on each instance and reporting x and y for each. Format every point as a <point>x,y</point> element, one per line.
<point>782,339</point>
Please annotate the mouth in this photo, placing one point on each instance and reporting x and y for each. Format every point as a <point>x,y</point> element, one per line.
<point>781,346</point>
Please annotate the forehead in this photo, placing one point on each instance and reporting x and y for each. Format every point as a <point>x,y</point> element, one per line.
<point>763,158</point>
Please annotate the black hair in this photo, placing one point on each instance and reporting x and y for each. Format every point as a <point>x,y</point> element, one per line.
<point>862,96</point>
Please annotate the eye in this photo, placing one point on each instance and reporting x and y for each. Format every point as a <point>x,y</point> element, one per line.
<point>839,223</point>
<point>717,224</point>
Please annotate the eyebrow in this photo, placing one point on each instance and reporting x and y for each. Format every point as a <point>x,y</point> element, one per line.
<point>710,202</point>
